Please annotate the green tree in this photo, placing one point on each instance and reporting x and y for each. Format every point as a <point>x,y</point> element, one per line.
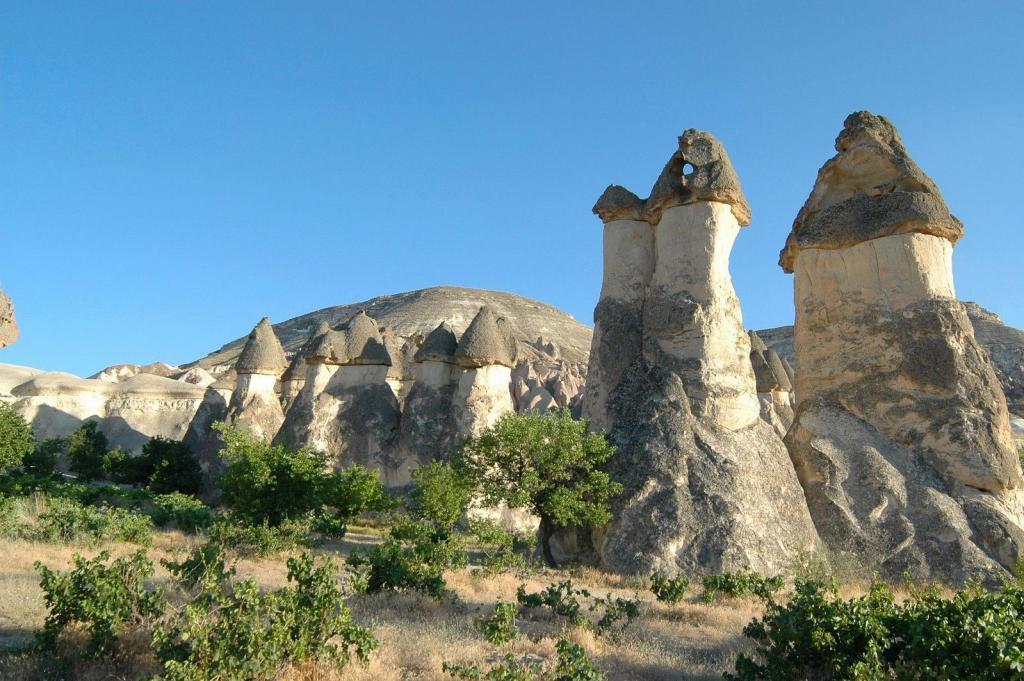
<point>168,466</point>
<point>87,449</point>
<point>16,439</point>
<point>547,463</point>
<point>266,483</point>
<point>441,494</point>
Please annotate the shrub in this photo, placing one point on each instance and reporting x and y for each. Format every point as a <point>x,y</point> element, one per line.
<point>87,448</point>
<point>16,441</point>
<point>231,632</point>
<point>617,612</point>
<point>350,493</point>
<point>741,584</point>
<point>185,512</point>
<point>547,463</point>
<point>972,635</point>
<point>669,589</point>
<point>167,466</point>
<point>99,597</point>
<point>500,628</point>
<point>42,460</point>
<point>67,521</point>
<point>562,599</point>
<point>10,527</point>
<point>441,494</point>
<point>260,540</point>
<point>502,550</point>
<point>266,483</point>
<point>205,567</point>
<point>412,558</point>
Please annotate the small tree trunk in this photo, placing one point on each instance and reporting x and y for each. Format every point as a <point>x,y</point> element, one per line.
<point>545,542</point>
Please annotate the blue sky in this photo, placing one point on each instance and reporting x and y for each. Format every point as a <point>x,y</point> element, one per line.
<point>170,172</point>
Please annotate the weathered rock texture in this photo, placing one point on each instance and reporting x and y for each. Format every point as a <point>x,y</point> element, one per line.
<point>708,484</point>
<point>428,430</point>
<point>254,403</point>
<point>901,437</point>
<point>774,385</point>
<point>8,325</point>
<point>486,351</point>
<point>346,408</point>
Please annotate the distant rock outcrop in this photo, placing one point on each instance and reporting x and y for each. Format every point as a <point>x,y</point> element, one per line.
<point>487,351</point>
<point>8,325</point>
<point>708,484</point>
<point>901,437</point>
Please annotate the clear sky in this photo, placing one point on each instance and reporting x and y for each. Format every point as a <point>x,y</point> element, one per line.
<point>172,171</point>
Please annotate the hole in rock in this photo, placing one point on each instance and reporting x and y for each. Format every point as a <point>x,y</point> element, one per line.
<point>688,170</point>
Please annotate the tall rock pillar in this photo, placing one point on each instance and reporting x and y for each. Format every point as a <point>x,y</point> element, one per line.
<point>487,352</point>
<point>254,403</point>
<point>708,485</point>
<point>8,326</point>
<point>902,438</point>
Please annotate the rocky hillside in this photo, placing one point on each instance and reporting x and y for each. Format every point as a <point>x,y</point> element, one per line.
<point>419,312</point>
<point>1005,345</point>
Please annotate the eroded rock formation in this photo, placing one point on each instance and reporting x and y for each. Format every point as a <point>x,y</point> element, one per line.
<point>8,325</point>
<point>428,430</point>
<point>254,403</point>
<point>774,385</point>
<point>708,484</point>
<point>487,351</point>
<point>901,437</point>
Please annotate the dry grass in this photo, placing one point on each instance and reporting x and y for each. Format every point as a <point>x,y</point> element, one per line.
<point>416,634</point>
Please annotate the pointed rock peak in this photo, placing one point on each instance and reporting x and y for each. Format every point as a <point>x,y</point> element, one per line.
<point>262,353</point>
<point>756,344</point>
<point>439,345</point>
<point>363,342</point>
<point>618,203</point>
<point>870,189</point>
<point>485,342</point>
<point>699,170</point>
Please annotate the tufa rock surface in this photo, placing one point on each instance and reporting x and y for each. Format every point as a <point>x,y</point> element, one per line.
<point>8,325</point>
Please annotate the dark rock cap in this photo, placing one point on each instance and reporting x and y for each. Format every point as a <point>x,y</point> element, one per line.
<point>711,177</point>
<point>485,342</point>
<point>439,345</point>
<point>870,189</point>
<point>262,353</point>
<point>363,342</point>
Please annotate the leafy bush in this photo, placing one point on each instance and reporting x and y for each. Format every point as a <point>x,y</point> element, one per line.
<point>500,628</point>
<point>10,527</point>
<point>67,521</point>
<point>617,612</point>
<point>167,466</point>
<point>412,558</point>
<point>741,584</point>
<point>231,632</point>
<point>87,449</point>
<point>16,441</point>
<point>185,512</point>
<point>818,635</point>
<point>669,589</point>
<point>502,550</point>
<point>99,597</point>
<point>42,460</point>
<point>562,599</point>
<point>205,567</point>
<point>266,483</point>
<point>441,494</point>
<point>573,665</point>
<point>260,540</point>
<point>547,463</point>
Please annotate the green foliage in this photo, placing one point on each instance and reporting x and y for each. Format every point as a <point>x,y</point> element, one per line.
<point>412,558</point>
<point>617,612</point>
<point>10,527</point>
<point>741,584</point>
<point>266,483</point>
<point>262,539</point>
<point>573,665</point>
<point>500,628</point>
<point>87,449</point>
<point>562,599</point>
<point>205,567</point>
<point>167,466</point>
<point>185,512</point>
<point>67,521</point>
<point>502,550</point>
<point>99,597</point>
<point>232,632</point>
<point>975,634</point>
<point>669,589</point>
<point>546,463</point>
<point>42,460</point>
<point>441,494</point>
<point>348,494</point>
<point>16,441</point>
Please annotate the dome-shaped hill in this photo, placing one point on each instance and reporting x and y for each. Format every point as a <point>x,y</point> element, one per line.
<point>420,312</point>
